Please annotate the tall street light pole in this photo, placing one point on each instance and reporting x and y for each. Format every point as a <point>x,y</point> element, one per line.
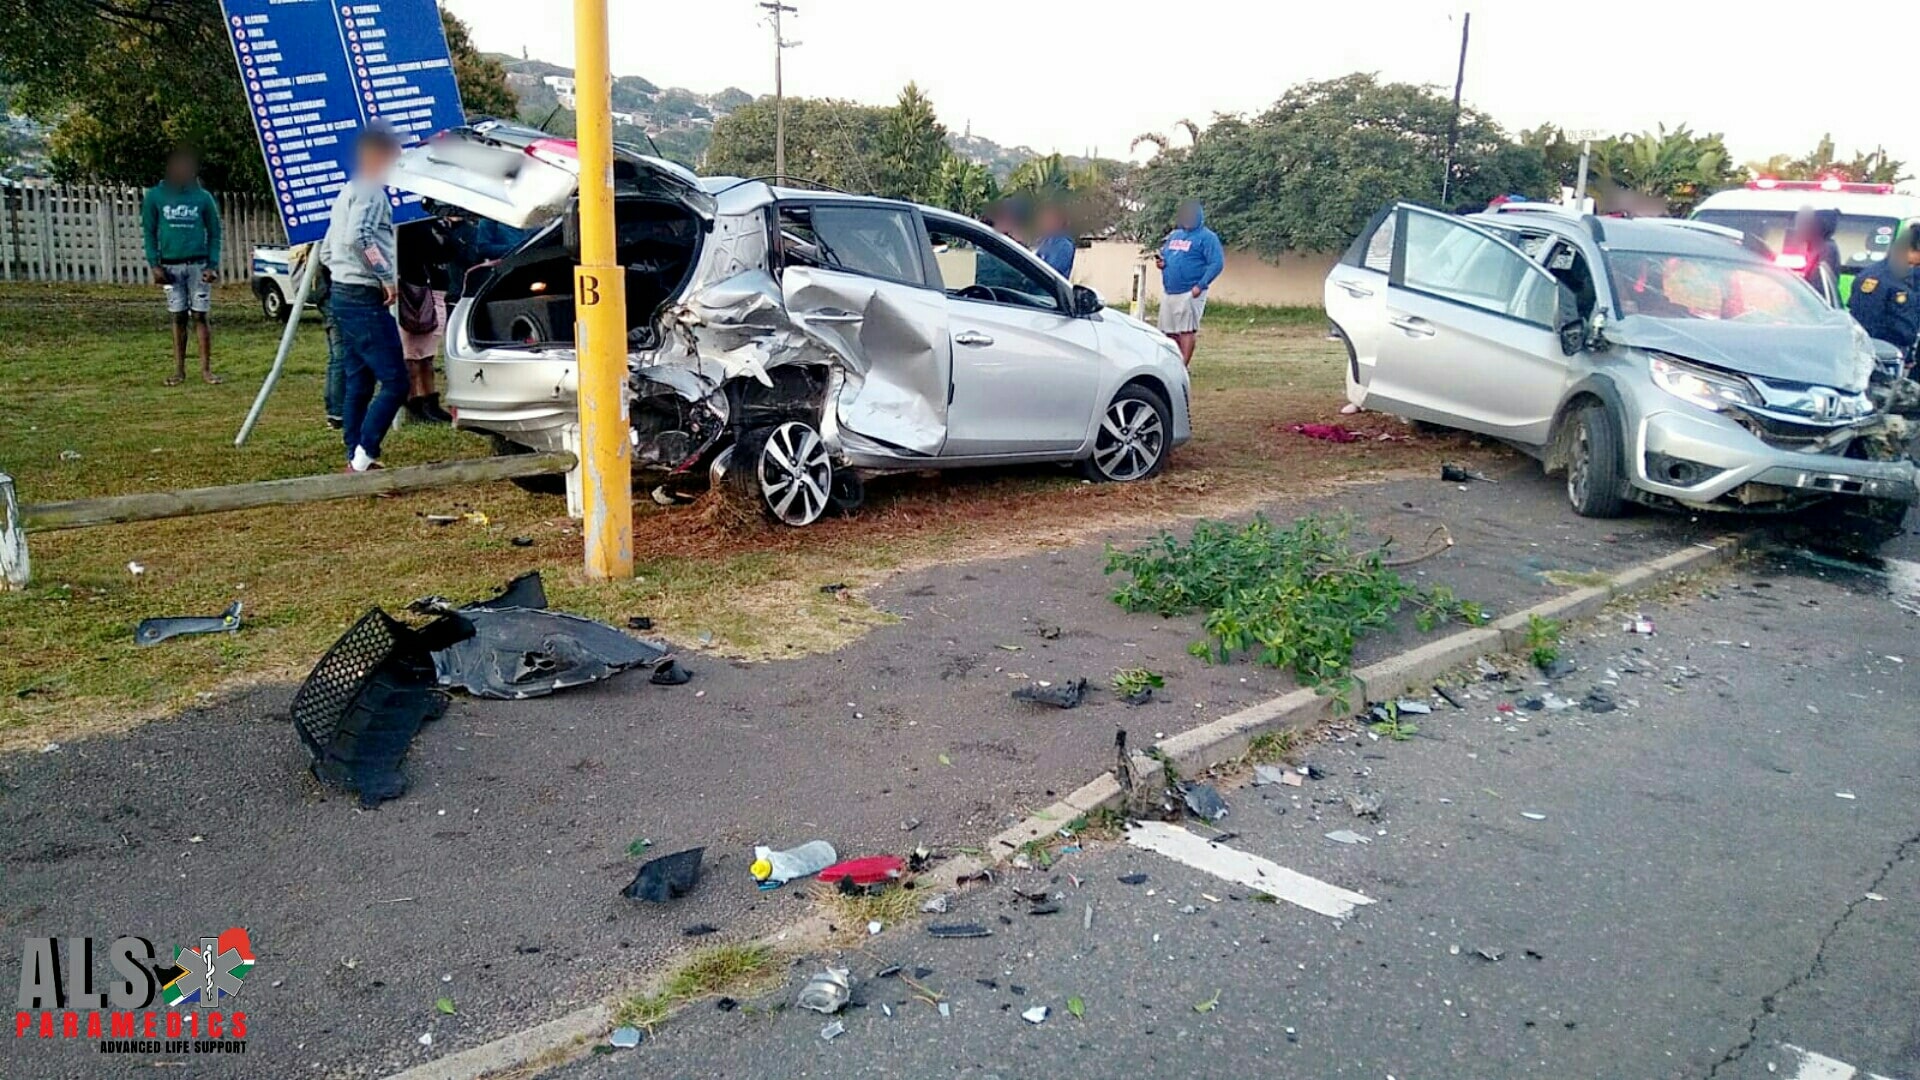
<point>600,321</point>
<point>780,47</point>
<point>1453,126</point>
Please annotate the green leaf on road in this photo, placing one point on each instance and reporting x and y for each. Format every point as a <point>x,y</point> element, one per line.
<point>945,760</point>
<point>445,1005</point>
<point>634,849</point>
<point>1076,1006</point>
<point>1207,1005</point>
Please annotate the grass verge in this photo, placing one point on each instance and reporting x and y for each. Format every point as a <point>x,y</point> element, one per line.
<point>723,969</point>
<point>81,370</point>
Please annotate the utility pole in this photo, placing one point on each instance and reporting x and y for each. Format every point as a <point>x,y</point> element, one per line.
<point>1453,126</point>
<point>600,321</point>
<point>780,46</point>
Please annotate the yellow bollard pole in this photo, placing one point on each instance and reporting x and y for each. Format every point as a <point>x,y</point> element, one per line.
<point>600,319</point>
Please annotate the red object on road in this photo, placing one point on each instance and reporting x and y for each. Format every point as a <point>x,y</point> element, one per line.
<point>872,870</point>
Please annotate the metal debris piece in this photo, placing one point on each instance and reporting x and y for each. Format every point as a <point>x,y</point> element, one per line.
<point>935,905</point>
<point>520,650</point>
<point>155,631</point>
<point>1066,695</point>
<point>626,1038</point>
<point>1531,816</point>
<point>833,1031</point>
<point>668,877</point>
<point>959,930</point>
<point>1268,775</point>
<point>1447,696</point>
<point>1412,707</point>
<point>1347,836</point>
<point>1035,1015</point>
<point>1365,804</point>
<point>1293,778</point>
<point>1203,801</point>
<point>668,672</point>
<point>1492,956</point>
<point>827,992</point>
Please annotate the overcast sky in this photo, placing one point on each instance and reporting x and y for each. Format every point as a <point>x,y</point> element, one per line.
<point>1076,75</point>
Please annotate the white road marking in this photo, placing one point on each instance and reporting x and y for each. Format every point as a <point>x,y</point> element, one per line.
<point>1241,868</point>
<point>1811,1066</point>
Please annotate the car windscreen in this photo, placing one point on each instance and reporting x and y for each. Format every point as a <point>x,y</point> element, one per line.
<point>1663,285</point>
<point>1863,239</point>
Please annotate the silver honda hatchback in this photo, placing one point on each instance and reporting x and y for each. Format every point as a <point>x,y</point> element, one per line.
<point>787,341</point>
<point>1653,361</point>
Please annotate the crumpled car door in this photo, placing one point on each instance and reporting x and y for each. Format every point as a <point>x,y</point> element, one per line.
<point>891,341</point>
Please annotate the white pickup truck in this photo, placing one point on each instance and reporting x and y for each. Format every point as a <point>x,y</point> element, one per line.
<point>273,281</point>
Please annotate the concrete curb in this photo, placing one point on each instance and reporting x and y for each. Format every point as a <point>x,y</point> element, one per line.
<point>1216,743</point>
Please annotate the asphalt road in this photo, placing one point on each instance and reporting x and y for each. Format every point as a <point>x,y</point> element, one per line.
<point>1718,879</point>
<point>494,881</point>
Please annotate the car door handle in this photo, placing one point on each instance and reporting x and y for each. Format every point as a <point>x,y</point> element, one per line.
<point>1412,327</point>
<point>972,337</point>
<point>832,316</point>
<point>1355,291</point>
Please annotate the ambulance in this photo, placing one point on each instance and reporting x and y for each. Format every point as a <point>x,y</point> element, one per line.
<point>1871,215</point>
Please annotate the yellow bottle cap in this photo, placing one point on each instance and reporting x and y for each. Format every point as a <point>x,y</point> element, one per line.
<point>761,869</point>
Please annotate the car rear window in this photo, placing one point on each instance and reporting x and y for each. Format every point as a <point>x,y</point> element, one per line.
<point>1863,239</point>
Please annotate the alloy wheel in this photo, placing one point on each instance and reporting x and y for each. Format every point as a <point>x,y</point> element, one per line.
<point>795,474</point>
<point>1130,441</point>
<point>1579,464</point>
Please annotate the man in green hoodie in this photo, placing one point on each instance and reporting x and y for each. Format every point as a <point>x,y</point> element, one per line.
<point>181,224</point>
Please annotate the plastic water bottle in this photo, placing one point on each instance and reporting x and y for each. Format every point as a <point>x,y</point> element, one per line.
<point>773,869</point>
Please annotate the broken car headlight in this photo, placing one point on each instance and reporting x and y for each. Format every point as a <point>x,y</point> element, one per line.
<point>1709,389</point>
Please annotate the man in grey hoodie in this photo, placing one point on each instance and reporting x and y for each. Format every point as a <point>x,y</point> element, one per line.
<point>362,261</point>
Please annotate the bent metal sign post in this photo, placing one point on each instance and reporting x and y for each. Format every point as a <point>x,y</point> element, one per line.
<point>146,1004</point>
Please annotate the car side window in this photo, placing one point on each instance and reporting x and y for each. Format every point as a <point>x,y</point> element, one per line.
<point>977,266</point>
<point>1379,254</point>
<point>878,241</point>
<point>1447,259</point>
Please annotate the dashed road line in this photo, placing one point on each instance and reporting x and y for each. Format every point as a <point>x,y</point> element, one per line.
<point>1241,868</point>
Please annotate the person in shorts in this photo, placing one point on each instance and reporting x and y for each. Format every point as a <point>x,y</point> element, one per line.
<point>1189,259</point>
<point>180,223</point>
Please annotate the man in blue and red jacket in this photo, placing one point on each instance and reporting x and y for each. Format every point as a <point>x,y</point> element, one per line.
<point>1190,258</point>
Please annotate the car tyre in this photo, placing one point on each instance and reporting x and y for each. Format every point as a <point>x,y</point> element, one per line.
<point>545,484</point>
<point>272,304</point>
<point>786,471</point>
<point>1134,438</point>
<point>1595,484</point>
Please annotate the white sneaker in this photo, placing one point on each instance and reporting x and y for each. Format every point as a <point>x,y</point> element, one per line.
<point>361,460</point>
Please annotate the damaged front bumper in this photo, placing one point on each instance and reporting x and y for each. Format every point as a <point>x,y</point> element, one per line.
<point>1710,461</point>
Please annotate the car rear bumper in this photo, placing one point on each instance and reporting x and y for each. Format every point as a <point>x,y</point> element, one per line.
<point>525,396</point>
<point>1707,460</point>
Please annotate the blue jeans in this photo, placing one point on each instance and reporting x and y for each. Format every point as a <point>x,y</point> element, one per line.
<point>370,352</point>
<point>336,391</point>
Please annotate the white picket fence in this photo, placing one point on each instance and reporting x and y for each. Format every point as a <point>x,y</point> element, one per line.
<point>91,232</point>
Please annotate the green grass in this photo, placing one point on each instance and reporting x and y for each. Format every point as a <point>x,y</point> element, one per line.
<point>81,370</point>
<point>722,969</point>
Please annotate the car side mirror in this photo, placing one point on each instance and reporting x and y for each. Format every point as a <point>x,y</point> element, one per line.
<point>1573,329</point>
<point>1086,302</point>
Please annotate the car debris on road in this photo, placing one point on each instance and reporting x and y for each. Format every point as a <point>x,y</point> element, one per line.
<point>668,877</point>
<point>154,631</point>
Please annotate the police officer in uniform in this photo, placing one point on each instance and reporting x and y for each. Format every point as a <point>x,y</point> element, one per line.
<point>1886,296</point>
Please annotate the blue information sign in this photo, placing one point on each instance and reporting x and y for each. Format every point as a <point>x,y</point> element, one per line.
<point>315,71</point>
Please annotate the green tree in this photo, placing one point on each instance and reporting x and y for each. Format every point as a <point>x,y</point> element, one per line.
<point>1874,167</point>
<point>828,141</point>
<point>913,148</point>
<point>965,187</point>
<point>123,81</point>
<point>482,79</point>
<point>1677,168</point>
<point>1306,174</point>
